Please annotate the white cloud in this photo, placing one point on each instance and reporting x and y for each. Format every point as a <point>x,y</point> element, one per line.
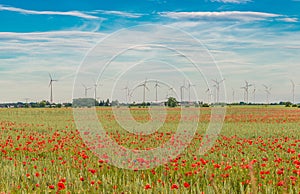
<point>289,19</point>
<point>118,13</point>
<point>226,15</point>
<point>33,12</point>
<point>253,53</point>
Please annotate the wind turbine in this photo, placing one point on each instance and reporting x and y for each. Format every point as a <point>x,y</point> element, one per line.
<point>233,94</point>
<point>246,94</point>
<point>254,94</point>
<point>217,86</point>
<point>86,89</point>
<point>209,94</point>
<point>144,91</point>
<point>182,91</point>
<point>156,86</point>
<point>95,89</point>
<point>189,89</point>
<point>51,87</point>
<point>127,93</point>
<point>268,92</point>
<point>26,100</point>
<point>293,90</point>
<point>171,90</point>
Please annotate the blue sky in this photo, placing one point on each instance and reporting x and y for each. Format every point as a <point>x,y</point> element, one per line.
<point>258,41</point>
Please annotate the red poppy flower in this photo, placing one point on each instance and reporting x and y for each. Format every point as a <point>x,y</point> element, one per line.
<point>174,186</point>
<point>280,183</point>
<point>147,186</point>
<point>186,185</point>
<point>61,186</point>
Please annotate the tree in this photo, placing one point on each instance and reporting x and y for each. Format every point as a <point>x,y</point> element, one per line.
<point>107,102</point>
<point>42,104</point>
<point>172,102</point>
<point>288,104</point>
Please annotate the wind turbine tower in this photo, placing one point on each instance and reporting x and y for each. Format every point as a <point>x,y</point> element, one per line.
<point>233,94</point>
<point>95,90</point>
<point>127,93</point>
<point>293,91</point>
<point>51,87</point>
<point>156,86</point>
<point>254,94</point>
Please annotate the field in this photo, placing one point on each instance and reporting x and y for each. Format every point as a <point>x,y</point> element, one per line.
<point>256,152</point>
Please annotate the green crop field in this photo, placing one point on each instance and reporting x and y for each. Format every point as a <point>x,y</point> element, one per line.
<point>257,151</point>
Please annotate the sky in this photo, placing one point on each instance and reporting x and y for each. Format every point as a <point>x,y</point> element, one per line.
<point>120,44</point>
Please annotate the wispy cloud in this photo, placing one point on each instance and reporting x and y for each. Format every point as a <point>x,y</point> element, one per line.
<point>33,12</point>
<point>118,13</point>
<point>289,19</point>
<point>227,15</point>
<point>231,1</point>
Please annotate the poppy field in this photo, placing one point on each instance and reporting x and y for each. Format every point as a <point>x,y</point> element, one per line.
<point>257,151</point>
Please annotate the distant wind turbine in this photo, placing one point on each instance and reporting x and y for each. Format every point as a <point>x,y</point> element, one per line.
<point>127,93</point>
<point>189,89</point>
<point>95,89</point>
<point>51,87</point>
<point>182,91</point>
<point>293,90</point>
<point>144,89</point>
<point>254,94</point>
<point>26,99</point>
<point>217,86</point>
<point>171,90</point>
<point>268,92</point>
<point>209,94</point>
<point>156,86</point>
<point>86,89</point>
<point>233,94</point>
<point>246,94</point>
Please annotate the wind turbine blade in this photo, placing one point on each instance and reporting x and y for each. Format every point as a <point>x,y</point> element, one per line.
<point>50,76</point>
<point>293,83</point>
<point>265,86</point>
